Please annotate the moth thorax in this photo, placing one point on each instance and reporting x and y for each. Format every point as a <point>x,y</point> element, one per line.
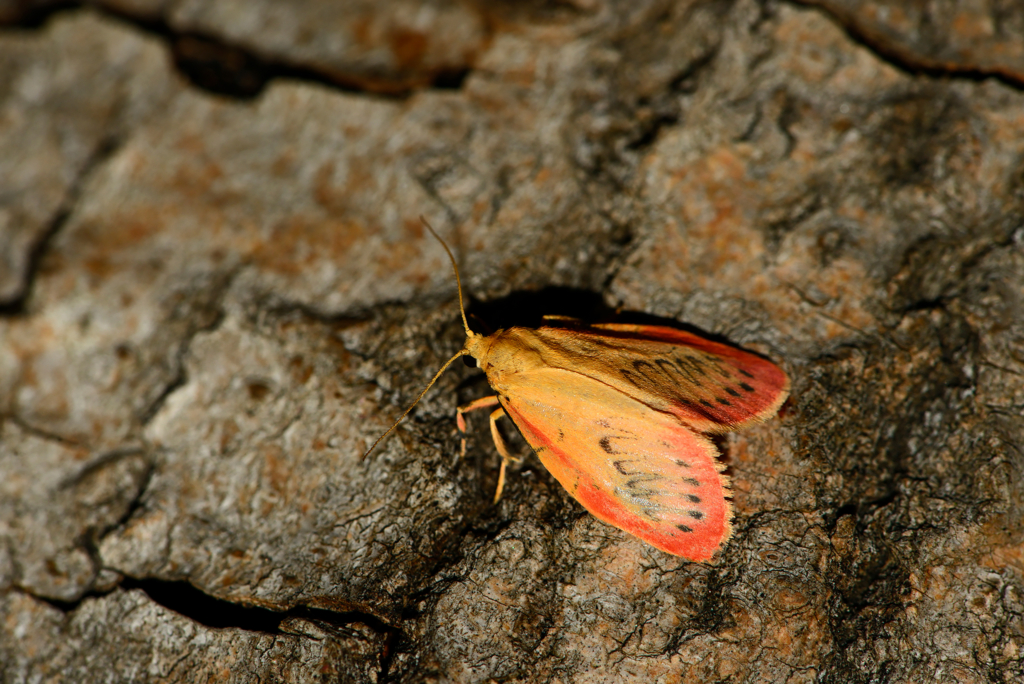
<point>511,351</point>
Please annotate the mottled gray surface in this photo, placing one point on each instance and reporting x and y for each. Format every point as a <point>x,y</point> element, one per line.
<point>212,304</point>
<point>61,112</point>
<point>363,43</point>
<point>967,37</point>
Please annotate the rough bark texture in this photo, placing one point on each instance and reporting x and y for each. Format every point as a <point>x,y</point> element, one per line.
<point>211,303</point>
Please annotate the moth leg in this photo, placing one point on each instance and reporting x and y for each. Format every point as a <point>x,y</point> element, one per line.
<point>499,442</point>
<point>484,402</point>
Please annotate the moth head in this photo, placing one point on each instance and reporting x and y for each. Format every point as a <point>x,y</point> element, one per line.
<point>476,348</point>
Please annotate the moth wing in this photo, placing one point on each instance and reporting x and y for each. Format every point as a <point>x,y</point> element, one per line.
<point>711,386</point>
<point>632,467</point>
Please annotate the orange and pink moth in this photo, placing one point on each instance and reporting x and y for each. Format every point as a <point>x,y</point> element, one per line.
<point>619,414</point>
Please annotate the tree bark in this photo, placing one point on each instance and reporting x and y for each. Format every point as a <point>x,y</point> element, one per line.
<point>216,293</point>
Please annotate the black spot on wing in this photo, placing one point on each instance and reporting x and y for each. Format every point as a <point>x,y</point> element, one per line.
<point>732,392</point>
<point>696,515</point>
<point>690,368</point>
<point>606,444</point>
<point>694,361</point>
<point>686,403</point>
<point>746,373</point>
<point>746,387</point>
<point>707,403</point>
<point>636,484</point>
<point>621,467</point>
<point>671,368</point>
<point>692,481</point>
<point>684,528</point>
<point>650,512</point>
<point>648,373</point>
<point>723,401</point>
<point>683,464</point>
<point>693,498</point>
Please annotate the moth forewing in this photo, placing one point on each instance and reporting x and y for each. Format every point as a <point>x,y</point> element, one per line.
<point>710,386</point>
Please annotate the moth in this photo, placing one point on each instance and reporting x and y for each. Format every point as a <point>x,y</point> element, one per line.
<point>619,415</point>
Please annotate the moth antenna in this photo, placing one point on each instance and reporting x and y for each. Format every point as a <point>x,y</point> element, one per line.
<point>463,352</point>
<point>431,384</point>
<point>458,281</point>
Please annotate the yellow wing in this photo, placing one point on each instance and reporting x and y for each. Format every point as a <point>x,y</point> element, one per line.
<point>638,469</point>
